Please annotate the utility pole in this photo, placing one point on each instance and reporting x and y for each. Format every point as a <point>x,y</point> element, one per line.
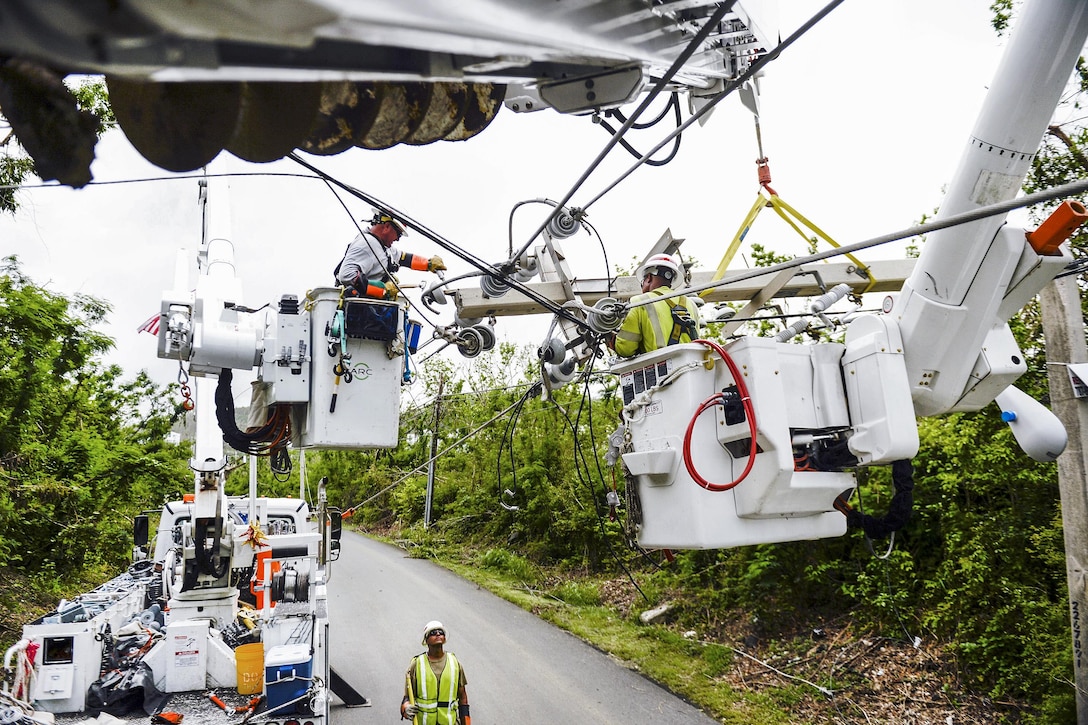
<point>1063,329</point>
<point>434,454</point>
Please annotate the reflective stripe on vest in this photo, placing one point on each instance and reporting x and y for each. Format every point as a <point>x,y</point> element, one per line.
<point>430,692</point>
<point>658,316</point>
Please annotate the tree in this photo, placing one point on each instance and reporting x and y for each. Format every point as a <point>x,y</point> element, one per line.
<point>92,102</point>
<point>81,450</point>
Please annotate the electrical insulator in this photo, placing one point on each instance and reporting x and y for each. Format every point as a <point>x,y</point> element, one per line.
<point>493,285</point>
<point>607,315</point>
<point>562,225</point>
<point>793,330</point>
<point>829,298</point>
<point>552,350</point>
<point>563,372</point>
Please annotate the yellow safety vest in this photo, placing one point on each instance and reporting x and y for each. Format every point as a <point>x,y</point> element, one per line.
<point>649,327</point>
<point>437,701</point>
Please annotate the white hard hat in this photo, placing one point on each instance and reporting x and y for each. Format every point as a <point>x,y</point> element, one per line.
<point>657,264</point>
<point>431,626</point>
<point>381,216</point>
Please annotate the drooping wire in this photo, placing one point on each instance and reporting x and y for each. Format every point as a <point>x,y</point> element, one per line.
<point>421,467</point>
<point>270,439</point>
<point>510,222</point>
<point>444,243</point>
<point>586,404</point>
<point>618,114</point>
<point>580,462</point>
<point>359,228</point>
<point>753,69</point>
<point>604,253</point>
<point>689,50</point>
<point>673,104</point>
<point>581,220</point>
<point>507,442</point>
<point>179,177</point>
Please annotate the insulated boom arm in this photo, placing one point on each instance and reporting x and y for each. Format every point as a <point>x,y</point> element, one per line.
<point>971,278</point>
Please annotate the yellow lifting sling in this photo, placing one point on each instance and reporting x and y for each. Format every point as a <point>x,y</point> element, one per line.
<point>766,196</point>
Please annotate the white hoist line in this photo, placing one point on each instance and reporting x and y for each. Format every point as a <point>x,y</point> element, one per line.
<point>890,274</point>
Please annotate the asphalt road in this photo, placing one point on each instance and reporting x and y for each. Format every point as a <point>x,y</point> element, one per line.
<point>519,668</point>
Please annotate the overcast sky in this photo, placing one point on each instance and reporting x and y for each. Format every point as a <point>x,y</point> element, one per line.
<point>863,120</point>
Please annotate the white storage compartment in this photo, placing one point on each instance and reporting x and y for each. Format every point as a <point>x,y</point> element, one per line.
<point>186,655</point>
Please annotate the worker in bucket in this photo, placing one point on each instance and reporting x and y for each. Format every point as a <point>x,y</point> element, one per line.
<point>658,324</point>
<point>434,685</point>
<point>371,259</point>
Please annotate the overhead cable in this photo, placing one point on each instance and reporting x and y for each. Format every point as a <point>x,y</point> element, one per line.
<point>755,68</point>
<point>692,46</point>
<point>445,244</point>
<point>1039,197</point>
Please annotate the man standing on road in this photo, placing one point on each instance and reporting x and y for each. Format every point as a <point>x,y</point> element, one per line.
<point>434,685</point>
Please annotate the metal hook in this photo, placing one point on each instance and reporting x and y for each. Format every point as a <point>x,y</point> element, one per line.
<point>891,546</point>
<point>507,506</point>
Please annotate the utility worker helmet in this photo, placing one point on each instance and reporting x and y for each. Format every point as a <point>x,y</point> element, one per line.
<point>663,265</point>
<point>382,217</point>
<point>432,626</point>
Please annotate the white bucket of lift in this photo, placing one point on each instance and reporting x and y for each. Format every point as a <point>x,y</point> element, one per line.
<point>773,503</point>
<point>366,412</point>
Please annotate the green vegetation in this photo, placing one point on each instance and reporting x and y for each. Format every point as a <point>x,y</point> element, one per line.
<point>978,574</point>
<point>81,450</point>
<point>521,500</point>
<point>973,591</point>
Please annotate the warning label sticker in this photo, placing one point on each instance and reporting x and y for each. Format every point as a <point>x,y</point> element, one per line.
<point>186,653</point>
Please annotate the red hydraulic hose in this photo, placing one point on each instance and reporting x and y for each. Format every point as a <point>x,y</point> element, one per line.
<point>710,402</point>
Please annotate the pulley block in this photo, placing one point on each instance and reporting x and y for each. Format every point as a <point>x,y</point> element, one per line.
<point>290,585</point>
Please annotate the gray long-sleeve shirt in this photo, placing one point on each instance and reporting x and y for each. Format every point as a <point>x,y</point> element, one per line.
<point>368,258</point>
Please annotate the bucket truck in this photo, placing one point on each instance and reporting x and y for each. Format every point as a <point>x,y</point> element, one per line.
<point>232,593</point>
<point>750,442</point>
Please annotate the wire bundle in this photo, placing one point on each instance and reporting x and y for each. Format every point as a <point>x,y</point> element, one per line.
<point>269,440</point>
